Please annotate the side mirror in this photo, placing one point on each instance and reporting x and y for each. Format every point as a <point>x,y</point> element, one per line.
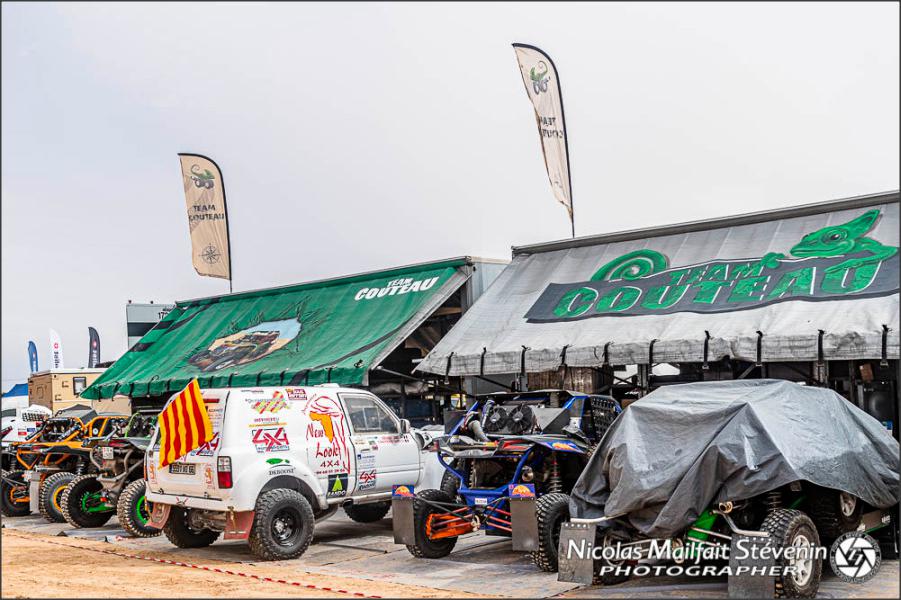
<point>404,426</point>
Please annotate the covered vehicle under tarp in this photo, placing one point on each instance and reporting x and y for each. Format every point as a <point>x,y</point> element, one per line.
<point>334,331</point>
<point>680,448</point>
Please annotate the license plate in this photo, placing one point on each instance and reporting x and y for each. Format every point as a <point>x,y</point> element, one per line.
<point>182,469</point>
<point>107,453</point>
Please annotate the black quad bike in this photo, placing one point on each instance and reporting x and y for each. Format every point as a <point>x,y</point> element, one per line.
<point>510,461</point>
<point>117,487</point>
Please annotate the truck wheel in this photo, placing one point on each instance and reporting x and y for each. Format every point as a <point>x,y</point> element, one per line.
<point>793,528</point>
<point>182,535</point>
<point>834,512</point>
<point>551,510</point>
<point>282,525</point>
<point>80,503</point>
<point>424,547</point>
<point>50,496</point>
<point>133,510</point>
<point>368,513</point>
<point>12,504</point>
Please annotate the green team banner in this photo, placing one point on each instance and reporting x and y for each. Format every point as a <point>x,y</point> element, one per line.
<point>330,331</point>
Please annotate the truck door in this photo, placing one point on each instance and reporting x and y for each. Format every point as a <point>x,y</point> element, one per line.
<point>384,456</point>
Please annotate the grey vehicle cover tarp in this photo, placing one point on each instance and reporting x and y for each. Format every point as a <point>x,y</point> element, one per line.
<point>673,453</point>
<point>690,288</point>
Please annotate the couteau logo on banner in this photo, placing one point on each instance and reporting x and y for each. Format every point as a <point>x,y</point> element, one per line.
<point>832,263</point>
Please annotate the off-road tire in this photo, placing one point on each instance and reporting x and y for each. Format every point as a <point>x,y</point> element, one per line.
<point>450,484</point>
<point>424,547</point>
<point>368,513</point>
<point>551,510</point>
<point>70,501</point>
<point>824,508</point>
<point>50,494</point>
<point>7,507</point>
<point>784,525</point>
<point>177,531</point>
<point>262,540</point>
<point>127,510</point>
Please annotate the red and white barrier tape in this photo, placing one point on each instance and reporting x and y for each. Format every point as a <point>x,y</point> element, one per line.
<point>164,561</point>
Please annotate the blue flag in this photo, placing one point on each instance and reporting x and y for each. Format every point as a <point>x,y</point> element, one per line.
<point>32,357</point>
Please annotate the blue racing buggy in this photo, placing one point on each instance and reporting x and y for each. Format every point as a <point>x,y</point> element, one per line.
<point>511,460</point>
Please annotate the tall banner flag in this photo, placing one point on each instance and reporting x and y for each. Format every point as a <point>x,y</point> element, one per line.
<point>207,216</point>
<point>184,425</point>
<point>539,75</point>
<point>56,351</point>
<point>93,348</point>
<point>32,357</point>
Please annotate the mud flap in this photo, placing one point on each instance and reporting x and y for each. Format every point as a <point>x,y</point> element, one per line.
<point>159,515</point>
<point>402,497</point>
<point>34,491</point>
<point>523,520</point>
<point>743,582</point>
<point>574,560</point>
<point>238,524</point>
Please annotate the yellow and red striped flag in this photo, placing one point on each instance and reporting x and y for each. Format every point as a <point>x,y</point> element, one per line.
<point>184,425</point>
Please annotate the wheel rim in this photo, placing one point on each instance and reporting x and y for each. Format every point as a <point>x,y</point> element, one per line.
<point>803,566</point>
<point>56,496</point>
<point>847,503</point>
<point>142,510</point>
<point>285,526</point>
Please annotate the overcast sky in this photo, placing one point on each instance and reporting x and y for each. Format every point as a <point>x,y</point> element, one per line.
<point>356,137</point>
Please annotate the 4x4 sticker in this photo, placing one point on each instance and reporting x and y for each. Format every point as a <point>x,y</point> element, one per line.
<point>337,485</point>
<point>207,448</point>
<point>366,480</point>
<point>270,439</point>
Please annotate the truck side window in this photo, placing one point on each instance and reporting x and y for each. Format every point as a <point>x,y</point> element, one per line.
<point>368,417</point>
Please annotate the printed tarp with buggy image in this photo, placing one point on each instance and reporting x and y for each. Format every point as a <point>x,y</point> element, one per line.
<point>117,485</point>
<point>701,465</point>
<point>50,459</point>
<point>510,461</point>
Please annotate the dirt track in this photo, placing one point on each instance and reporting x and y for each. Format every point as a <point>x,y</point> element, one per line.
<point>59,567</point>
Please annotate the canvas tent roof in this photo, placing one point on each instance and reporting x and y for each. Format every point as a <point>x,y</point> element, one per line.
<point>19,389</point>
<point>331,330</point>
<point>795,284</point>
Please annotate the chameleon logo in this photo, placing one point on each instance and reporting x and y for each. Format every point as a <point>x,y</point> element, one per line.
<point>539,78</point>
<point>831,263</point>
<point>841,240</point>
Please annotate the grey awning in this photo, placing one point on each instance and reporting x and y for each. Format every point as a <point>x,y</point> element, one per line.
<point>797,284</point>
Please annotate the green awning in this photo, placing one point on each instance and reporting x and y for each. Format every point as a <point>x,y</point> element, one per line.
<point>306,334</point>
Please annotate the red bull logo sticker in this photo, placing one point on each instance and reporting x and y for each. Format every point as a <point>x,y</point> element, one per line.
<point>521,490</point>
<point>402,491</point>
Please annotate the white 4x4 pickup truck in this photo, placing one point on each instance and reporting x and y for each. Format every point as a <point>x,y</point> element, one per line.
<point>280,459</point>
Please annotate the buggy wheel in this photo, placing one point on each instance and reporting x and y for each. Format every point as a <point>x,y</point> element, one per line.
<point>610,538</point>
<point>450,483</point>
<point>50,496</point>
<point>81,504</point>
<point>789,528</point>
<point>282,525</point>
<point>425,547</point>
<point>133,510</point>
<point>551,510</point>
<point>182,535</point>
<point>834,512</point>
<point>12,501</point>
<point>368,513</point>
